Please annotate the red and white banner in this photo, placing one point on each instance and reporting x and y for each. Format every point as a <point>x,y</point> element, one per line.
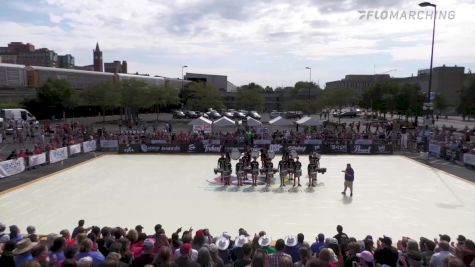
<point>12,167</point>
<point>37,159</point>
<point>58,154</point>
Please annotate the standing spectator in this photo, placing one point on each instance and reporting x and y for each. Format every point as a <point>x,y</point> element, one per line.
<point>40,254</point>
<point>366,259</point>
<point>56,253</point>
<point>292,247</point>
<point>22,251</point>
<point>6,257</point>
<point>276,258</point>
<point>214,252</point>
<point>31,230</point>
<point>79,229</point>
<point>184,260</point>
<point>246,258</point>
<point>325,257</point>
<point>304,257</point>
<point>147,256</point>
<point>385,253</point>
<point>318,245</point>
<point>467,252</point>
<point>164,258</point>
<point>223,243</point>
<point>238,252</point>
<point>15,233</point>
<point>437,260</point>
<point>67,237</point>
<point>341,237</point>
<point>204,257</point>
<point>264,245</point>
<point>349,178</point>
<point>85,251</point>
<point>4,237</point>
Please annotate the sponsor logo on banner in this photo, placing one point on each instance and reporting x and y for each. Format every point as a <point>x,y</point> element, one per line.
<point>191,148</point>
<point>384,149</point>
<point>212,148</point>
<point>109,143</point>
<point>58,154</point>
<point>299,149</point>
<point>74,149</point>
<point>362,149</point>
<point>363,142</point>
<point>338,148</point>
<point>435,148</point>
<point>275,147</point>
<point>128,149</point>
<point>11,167</point>
<point>312,141</point>
<point>469,159</point>
<point>316,148</point>
<point>171,149</point>
<point>89,146</point>
<point>37,159</point>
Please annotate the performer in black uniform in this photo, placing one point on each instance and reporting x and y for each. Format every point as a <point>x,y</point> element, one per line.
<point>221,163</point>
<point>245,163</point>
<point>239,171</point>
<point>297,165</point>
<point>263,158</point>
<point>228,170</point>
<point>290,165</point>
<point>283,171</point>
<point>269,171</point>
<point>254,171</point>
<point>311,173</point>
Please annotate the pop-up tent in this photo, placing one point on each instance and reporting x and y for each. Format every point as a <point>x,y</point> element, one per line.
<point>201,124</point>
<point>251,122</point>
<point>224,122</point>
<point>309,121</point>
<point>279,121</point>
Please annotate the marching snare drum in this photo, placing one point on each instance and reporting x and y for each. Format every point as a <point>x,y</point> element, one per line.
<point>298,173</point>
<point>235,154</point>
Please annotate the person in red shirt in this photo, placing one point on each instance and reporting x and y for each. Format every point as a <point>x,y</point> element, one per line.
<point>37,150</point>
<point>22,154</point>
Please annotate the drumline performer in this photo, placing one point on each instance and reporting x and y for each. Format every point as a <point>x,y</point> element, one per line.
<point>254,171</point>
<point>221,163</point>
<point>297,166</point>
<point>228,169</point>
<point>290,165</point>
<point>283,171</point>
<point>312,173</point>
<point>269,171</point>
<point>240,171</point>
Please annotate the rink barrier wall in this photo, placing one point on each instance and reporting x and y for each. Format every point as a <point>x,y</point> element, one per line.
<point>19,165</point>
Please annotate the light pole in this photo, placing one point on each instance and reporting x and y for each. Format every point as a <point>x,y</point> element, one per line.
<point>427,4</point>
<point>429,113</point>
<point>182,77</point>
<point>309,83</point>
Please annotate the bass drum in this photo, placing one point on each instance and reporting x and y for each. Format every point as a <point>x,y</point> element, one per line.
<point>235,154</point>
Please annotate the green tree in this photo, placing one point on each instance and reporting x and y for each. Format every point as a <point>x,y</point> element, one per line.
<point>104,95</point>
<point>51,99</point>
<point>440,103</point>
<point>251,97</point>
<point>200,96</point>
<point>134,96</point>
<point>466,105</point>
<point>163,96</point>
<point>338,97</point>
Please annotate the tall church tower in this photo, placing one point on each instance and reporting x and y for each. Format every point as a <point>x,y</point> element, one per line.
<point>98,62</point>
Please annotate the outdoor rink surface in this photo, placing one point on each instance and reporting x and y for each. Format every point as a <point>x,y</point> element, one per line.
<point>393,195</point>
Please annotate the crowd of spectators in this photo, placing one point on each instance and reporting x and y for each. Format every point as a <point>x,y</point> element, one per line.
<point>116,246</point>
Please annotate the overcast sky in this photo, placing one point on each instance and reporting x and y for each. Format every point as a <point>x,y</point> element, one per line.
<point>265,41</point>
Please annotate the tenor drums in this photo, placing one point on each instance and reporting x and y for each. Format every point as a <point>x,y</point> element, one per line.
<point>235,154</point>
<point>298,173</point>
<point>255,172</point>
<point>284,172</point>
<point>216,170</point>
<point>240,173</point>
<point>247,169</point>
<point>227,173</point>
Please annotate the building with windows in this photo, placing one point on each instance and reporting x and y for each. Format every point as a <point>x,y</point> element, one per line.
<point>219,82</point>
<point>116,67</point>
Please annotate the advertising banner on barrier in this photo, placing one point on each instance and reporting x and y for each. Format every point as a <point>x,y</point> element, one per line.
<point>11,167</point>
<point>360,149</point>
<point>363,142</point>
<point>37,159</point>
<point>144,148</point>
<point>74,149</point>
<point>89,146</point>
<point>58,154</point>
<point>158,142</point>
<point>313,142</point>
<point>211,142</point>
<point>469,159</point>
<point>382,149</point>
<point>336,148</point>
<point>110,144</point>
<point>435,148</point>
<point>210,148</point>
<point>262,142</point>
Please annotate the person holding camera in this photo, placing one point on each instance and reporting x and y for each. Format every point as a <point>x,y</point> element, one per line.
<point>349,178</point>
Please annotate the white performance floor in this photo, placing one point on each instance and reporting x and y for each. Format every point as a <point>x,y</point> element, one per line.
<point>393,195</point>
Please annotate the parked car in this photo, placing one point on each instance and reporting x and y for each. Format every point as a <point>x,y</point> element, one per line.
<point>213,114</point>
<point>190,114</point>
<point>347,114</point>
<point>239,115</point>
<point>253,114</point>
<point>293,115</point>
<point>229,113</point>
<point>178,114</point>
<point>274,114</point>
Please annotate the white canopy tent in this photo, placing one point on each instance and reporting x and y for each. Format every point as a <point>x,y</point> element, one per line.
<point>251,122</point>
<point>279,121</point>
<point>200,121</point>
<point>224,122</point>
<point>309,121</point>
